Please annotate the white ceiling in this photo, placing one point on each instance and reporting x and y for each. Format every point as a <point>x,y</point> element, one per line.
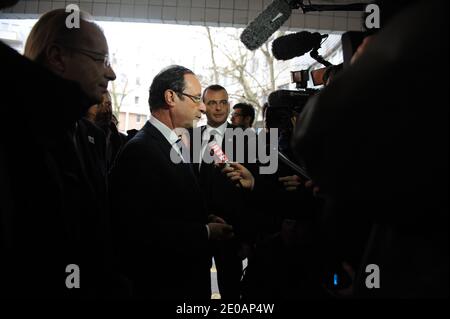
<point>227,13</point>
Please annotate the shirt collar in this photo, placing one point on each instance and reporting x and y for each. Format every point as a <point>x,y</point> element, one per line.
<point>169,134</point>
<point>220,130</point>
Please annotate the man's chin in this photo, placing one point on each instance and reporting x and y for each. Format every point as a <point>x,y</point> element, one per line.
<point>220,120</point>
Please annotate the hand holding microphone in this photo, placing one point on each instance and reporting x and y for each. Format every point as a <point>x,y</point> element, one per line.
<point>239,174</point>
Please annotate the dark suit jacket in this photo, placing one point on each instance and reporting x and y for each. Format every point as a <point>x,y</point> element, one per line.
<point>222,197</point>
<point>161,221</point>
<point>92,147</point>
<point>50,218</point>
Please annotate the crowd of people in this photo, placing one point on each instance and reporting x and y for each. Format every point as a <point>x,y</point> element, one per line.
<point>142,216</point>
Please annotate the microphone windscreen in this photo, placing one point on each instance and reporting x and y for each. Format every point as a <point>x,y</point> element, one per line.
<point>266,24</point>
<point>293,45</point>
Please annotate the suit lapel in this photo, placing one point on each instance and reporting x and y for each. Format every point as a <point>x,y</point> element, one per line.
<point>166,148</point>
<point>162,142</point>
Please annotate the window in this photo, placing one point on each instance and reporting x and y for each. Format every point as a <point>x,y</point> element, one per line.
<point>136,100</point>
<point>138,118</point>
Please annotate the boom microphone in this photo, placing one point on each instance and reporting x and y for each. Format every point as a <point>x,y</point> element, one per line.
<point>297,44</point>
<point>266,24</point>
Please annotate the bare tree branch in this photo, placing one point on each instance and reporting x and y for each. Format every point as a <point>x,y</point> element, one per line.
<point>255,72</point>
<point>213,55</point>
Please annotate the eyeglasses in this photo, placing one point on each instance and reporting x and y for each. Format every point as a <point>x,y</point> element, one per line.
<point>214,103</point>
<point>195,99</point>
<point>103,58</point>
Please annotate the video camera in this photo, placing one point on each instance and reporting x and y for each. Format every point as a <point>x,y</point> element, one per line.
<point>291,46</point>
<point>286,105</point>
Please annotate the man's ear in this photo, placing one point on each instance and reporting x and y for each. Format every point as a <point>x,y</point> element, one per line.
<point>170,97</point>
<point>56,59</point>
<point>247,120</point>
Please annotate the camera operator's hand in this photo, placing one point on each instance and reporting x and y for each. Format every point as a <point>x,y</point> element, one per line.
<point>291,183</point>
<point>239,174</point>
<point>219,231</point>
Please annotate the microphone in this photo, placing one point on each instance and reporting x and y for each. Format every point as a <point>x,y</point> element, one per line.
<point>221,156</point>
<point>297,44</point>
<point>298,169</point>
<point>266,24</point>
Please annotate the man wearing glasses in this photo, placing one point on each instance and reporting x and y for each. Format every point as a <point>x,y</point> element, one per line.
<point>77,233</point>
<point>243,115</point>
<point>164,225</point>
<point>80,55</point>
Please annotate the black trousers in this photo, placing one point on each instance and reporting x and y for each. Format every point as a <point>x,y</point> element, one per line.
<point>229,269</point>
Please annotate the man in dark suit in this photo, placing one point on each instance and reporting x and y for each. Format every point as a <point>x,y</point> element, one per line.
<point>222,196</point>
<point>55,214</point>
<point>163,227</point>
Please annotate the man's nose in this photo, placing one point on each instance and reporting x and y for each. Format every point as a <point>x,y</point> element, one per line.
<point>202,107</point>
<point>110,74</point>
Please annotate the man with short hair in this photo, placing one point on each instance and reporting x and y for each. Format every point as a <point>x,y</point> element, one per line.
<point>243,115</point>
<point>80,55</point>
<point>57,216</point>
<point>163,226</point>
<point>222,196</point>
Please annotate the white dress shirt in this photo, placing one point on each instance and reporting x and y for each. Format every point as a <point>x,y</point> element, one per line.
<point>219,134</point>
<point>168,133</point>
